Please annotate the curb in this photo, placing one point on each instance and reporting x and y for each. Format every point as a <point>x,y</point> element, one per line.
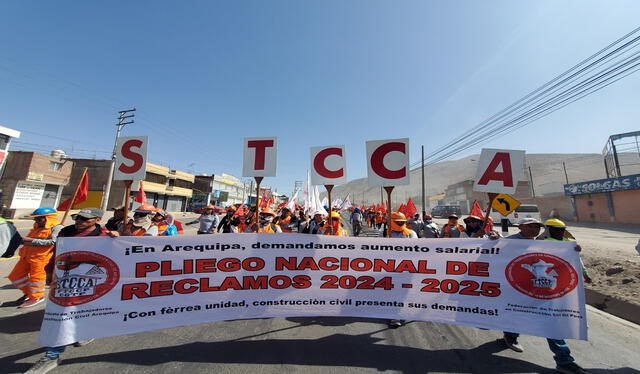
<point>619,308</point>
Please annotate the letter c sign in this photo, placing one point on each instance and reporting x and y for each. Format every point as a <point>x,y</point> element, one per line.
<point>131,158</point>
<point>328,165</point>
<point>388,162</point>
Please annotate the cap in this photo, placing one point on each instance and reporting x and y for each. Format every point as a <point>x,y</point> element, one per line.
<point>89,213</point>
<point>452,216</point>
<point>530,221</point>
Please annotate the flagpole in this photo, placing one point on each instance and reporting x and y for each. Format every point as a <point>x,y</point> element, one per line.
<point>75,193</point>
<point>492,197</point>
<point>127,195</point>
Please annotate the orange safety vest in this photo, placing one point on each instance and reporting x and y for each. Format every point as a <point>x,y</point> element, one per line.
<point>139,231</point>
<point>447,230</point>
<point>38,233</point>
<point>286,221</point>
<point>269,229</point>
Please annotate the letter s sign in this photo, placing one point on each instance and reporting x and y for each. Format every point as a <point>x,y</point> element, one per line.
<point>388,162</point>
<point>131,158</point>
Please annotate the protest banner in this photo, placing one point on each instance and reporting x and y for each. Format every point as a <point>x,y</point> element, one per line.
<point>106,287</point>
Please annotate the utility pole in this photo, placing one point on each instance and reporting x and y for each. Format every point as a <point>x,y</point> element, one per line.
<point>533,191</point>
<point>123,115</point>
<point>424,201</point>
<point>566,177</point>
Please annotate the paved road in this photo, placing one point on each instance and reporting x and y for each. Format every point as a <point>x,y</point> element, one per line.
<point>314,345</point>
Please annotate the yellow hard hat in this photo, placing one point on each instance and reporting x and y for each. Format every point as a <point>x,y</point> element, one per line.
<point>335,215</point>
<point>398,216</point>
<point>554,222</point>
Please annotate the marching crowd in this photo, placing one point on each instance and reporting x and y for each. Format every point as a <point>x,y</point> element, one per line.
<point>33,271</point>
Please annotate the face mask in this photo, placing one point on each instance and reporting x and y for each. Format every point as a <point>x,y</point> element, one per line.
<point>265,220</point>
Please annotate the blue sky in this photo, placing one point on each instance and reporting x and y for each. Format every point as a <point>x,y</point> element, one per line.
<point>206,74</point>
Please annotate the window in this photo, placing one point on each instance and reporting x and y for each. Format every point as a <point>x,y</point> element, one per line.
<point>4,141</point>
<point>155,178</point>
<point>527,209</point>
<point>183,184</point>
<point>55,166</point>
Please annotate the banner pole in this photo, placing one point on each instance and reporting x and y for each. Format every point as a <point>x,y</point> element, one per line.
<point>257,213</point>
<point>75,193</point>
<point>389,189</point>
<point>329,187</point>
<point>127,194</point>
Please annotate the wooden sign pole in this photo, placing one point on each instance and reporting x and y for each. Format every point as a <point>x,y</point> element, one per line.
<point>492,196</point>
<point>389,189</point>
<point>329,187</point>
<point>127,194</point>
<point>257,212</point>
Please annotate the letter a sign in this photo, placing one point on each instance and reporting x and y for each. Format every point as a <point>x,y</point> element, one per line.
<point>499,171</point>
<point>131,158</point>
<point>328,165</point>
<point>388,162</point>
<point>259,157</point>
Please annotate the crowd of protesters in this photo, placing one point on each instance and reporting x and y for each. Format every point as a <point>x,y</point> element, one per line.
<point>33,271</point>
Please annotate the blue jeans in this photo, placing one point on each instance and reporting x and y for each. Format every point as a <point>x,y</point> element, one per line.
<point>560,349</point>
<point>54,352</point>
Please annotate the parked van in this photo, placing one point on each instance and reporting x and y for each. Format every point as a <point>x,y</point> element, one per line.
<point>523,211</point>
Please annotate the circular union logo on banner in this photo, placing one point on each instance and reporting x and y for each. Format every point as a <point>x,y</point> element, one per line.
<point>82,276</point>
<point>541,275</point>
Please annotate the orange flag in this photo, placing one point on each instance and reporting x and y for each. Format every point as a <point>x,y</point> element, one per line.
<point>410,209</point>
<point>141,197</point>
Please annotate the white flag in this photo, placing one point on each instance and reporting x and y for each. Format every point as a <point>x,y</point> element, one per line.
<point>325,202</point>
<point>292,202</point>
<point>308,199</point>
<point>346,204</point>
<point>319,206</point>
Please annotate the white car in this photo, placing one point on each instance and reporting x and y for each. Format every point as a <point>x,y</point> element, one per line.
<point>523,211</point>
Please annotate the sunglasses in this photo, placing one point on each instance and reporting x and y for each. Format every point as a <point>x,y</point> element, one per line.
<point>400,223</point>
<point>335,219</point>
<point>81,218</point>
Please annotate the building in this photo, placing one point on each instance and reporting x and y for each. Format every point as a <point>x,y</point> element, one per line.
<point>33,180</point>
<point>228,190</point>
<point>5,139</point>
<point>606,200</point>
<point>202,191</point>
<point>164,188</point>
<point>462,194</point>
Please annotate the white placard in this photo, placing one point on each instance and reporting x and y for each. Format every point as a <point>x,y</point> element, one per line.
<point>260,157</point>
<point>499,171</point>
<point>328,165</point>
<point>131,158</point>
<point>107,287</point>
<point>28,195</point>
<point>388,162</point>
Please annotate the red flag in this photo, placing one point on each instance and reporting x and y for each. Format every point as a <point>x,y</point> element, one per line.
<point>263,200</point>
<point>271,201</point>
<point>410,209</point>
<point>240,211</point>
<point>81,195</point>
<point>476,210</point>
<point>141,197</point>
<point>401,209</point>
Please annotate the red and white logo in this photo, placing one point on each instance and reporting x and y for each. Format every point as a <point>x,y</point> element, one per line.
<point>541,275</point>
<point>81,277</point>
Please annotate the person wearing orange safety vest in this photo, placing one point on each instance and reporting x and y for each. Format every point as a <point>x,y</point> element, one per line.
<point>452,229</point>
<point>142,223</point>
<point>336,226</point>
<point>379,220</point>
<point>164,222</point>
<point>265,223</point>
<point>29,273</point>
<point>287,221</point>
<point>399,229</point>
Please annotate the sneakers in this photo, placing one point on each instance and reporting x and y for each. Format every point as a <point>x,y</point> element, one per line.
<point>512,343</point>
<point>571,368</point>
<point>21,300</point>
<point>31,302</point>
<point>395,323</point>
<point>43,365</point>
<point>82,343</point>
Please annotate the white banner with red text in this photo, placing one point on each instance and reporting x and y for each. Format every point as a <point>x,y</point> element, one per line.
<point>107,287</point>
